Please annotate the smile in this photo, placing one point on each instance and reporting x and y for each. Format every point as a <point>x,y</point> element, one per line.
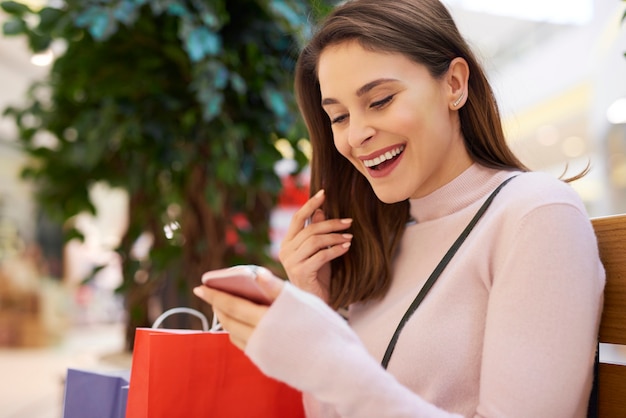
<point>387,156</point>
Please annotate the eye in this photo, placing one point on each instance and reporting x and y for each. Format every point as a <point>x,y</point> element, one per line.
<point>338,119</point>
<point>381,103</point>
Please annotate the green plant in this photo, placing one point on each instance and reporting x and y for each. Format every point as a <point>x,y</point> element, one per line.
<point>179,102</point>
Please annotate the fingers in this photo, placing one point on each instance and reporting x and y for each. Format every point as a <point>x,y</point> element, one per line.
<point>318,224</point>
<point>308,247</point>
<point>319,234</point>
<point>239,316</point>
<point>238,332</point>
<point>313,239</point>
<point>317,242</point>
<point>269,284</point>
<point>234,307</point>
<point>302,267</point>
<point>300,218</point>
<point>236,315</point>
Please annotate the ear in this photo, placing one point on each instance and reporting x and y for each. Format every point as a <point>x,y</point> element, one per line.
<point>457,82</point>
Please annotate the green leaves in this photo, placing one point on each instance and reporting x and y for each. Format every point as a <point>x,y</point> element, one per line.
<point>99,21</point>
<point>293,15</point>
<point>14,26</point>
<point>15,8</point>
<point>178,102</point>
<point>17,25</point>
<point>278,102</point>
<point>201,43</point>
<point>50,21</point>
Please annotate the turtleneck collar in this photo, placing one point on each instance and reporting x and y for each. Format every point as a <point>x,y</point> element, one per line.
<point>470,186</point>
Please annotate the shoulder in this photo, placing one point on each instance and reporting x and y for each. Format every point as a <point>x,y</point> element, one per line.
<point>538,200</point>
<point>532,190</point>
<point>537,213</point>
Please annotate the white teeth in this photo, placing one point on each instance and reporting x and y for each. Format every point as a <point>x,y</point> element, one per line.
<point>384,157</point>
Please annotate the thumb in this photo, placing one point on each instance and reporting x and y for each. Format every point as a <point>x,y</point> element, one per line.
<point>269,284</point>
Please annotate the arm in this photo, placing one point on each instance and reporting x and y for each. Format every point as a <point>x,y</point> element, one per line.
<point>317,352</point>
<point>543,316</point>
<point>314,351</point>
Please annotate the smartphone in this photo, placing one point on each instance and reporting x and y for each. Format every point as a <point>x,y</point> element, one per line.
<point>239,281</point>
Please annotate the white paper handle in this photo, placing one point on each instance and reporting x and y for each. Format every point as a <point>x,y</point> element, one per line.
<point>215,325</point>
<point>198,314</point>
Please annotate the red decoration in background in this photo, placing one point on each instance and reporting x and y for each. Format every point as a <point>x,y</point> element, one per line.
<point>295,192</point>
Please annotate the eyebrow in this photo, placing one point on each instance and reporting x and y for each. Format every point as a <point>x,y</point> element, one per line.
<point>362,90</point>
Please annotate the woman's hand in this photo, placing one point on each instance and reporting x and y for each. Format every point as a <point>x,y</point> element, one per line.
<point>239,316</point>
<point>307,250</point>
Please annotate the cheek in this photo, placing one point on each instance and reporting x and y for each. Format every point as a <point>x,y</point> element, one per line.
<point>413,117</point>
<point>341,145</point>
<point>419,112</point>
<point>422,126</point>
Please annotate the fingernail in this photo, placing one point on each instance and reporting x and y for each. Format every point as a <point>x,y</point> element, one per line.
<point>346,244</point>
<point>346,221</point>
<point>197,291</point>
<point>320,193</point>
<point>347,236</point>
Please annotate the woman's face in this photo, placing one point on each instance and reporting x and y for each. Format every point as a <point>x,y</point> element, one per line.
<point>394,122</point>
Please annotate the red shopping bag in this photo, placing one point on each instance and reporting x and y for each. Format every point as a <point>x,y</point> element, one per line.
<point>193,374</point>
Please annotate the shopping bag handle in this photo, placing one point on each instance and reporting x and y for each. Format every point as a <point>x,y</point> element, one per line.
<point>169,312</point>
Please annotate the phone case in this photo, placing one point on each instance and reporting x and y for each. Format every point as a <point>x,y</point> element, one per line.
<point>239,281</point>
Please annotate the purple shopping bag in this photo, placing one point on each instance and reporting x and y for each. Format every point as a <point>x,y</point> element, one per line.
<point>95,394</point>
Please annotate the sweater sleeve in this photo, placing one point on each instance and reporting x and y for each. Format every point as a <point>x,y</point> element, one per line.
<point>543,317</point>
<point>315,351</point>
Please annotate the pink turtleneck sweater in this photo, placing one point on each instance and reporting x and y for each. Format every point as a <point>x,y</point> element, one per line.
<point>508,330</point>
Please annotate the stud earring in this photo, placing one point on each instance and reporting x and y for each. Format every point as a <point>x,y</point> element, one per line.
<point>457,101</point>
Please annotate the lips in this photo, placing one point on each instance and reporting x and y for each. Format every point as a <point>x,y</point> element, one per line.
<point>383,159</point>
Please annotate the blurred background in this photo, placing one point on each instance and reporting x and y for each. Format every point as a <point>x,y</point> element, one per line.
<point>88,254</point>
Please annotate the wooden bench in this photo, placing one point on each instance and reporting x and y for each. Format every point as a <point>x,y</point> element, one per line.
<point>611,233</point>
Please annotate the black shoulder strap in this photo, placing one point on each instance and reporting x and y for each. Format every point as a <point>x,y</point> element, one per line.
<point>592,406</point>
<point>437,272</point>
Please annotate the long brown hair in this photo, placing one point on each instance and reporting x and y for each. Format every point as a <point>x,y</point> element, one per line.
<point>423,31</point>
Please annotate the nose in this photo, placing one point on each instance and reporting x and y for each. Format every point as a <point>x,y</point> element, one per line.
<point>360,131</point>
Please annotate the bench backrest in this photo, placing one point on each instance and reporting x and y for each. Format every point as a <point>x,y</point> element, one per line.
<point>611,233</point>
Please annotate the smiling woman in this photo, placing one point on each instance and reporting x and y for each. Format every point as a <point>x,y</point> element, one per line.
<point>473,286</point>
<point>411,114</point>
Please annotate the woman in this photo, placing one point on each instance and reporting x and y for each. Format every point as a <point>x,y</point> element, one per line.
<point>407,147</point>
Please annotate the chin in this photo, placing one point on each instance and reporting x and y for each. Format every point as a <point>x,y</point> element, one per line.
<point>390,197</point>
